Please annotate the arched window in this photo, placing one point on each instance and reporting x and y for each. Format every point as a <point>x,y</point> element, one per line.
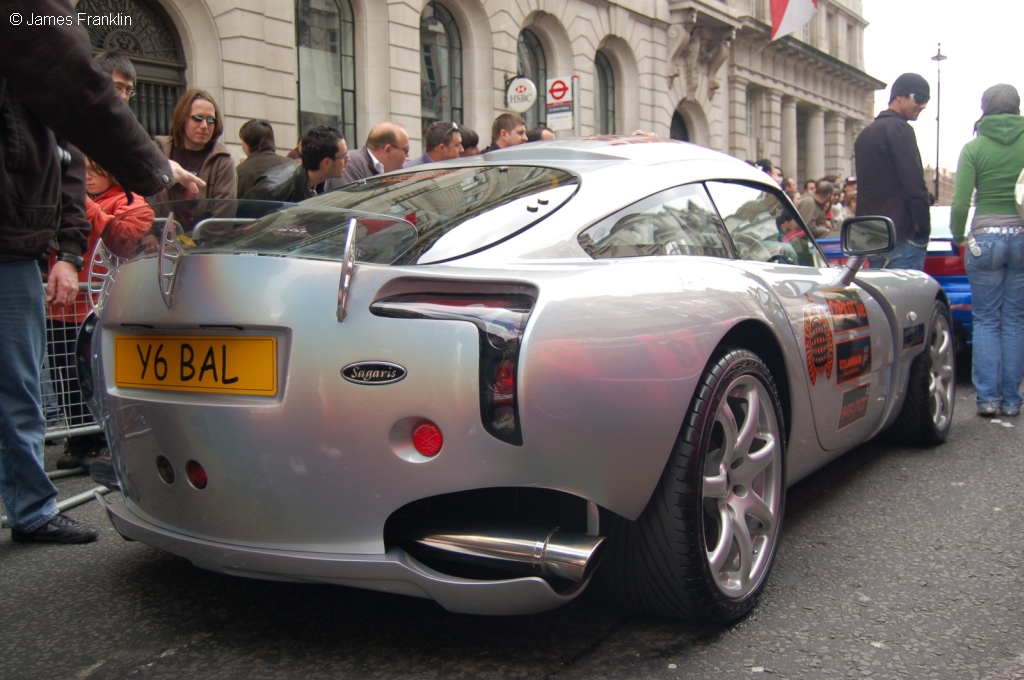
<point>534,65</point>
<point>679,128</point>
<point>604,96</point>
<point>440,66</point>
<point>152,44</point>
<point>325,39</point>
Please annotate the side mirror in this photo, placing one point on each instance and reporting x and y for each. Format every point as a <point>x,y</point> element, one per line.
<point>863,236</point>
<point>869,235</point>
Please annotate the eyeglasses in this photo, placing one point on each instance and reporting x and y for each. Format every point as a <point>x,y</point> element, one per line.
<point>401,148</point>
<point>124,90</point>
<point>342,159</point>
<point>919,98</point>
<point>453,128</point>
<point>209,120</point>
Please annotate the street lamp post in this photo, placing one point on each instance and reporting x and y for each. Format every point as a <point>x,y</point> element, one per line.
<point>938,59</point>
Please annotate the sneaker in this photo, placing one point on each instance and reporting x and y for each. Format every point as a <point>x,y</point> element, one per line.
<point>60,529</point>
<point>1010,410</point>
<point>984,410</point>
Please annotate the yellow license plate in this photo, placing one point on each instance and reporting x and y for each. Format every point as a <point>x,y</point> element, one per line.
<point>222,365</point>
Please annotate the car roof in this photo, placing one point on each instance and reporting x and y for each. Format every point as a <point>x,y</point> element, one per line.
<point>640,149</point>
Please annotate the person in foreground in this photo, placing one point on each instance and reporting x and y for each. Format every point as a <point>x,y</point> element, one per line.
<point>994,249</point>
<point>50,84</point>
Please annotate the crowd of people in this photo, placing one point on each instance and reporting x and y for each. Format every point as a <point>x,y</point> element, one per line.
<point>824,204</point>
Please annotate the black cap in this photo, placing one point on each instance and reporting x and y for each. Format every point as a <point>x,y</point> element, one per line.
<point>909,83</point>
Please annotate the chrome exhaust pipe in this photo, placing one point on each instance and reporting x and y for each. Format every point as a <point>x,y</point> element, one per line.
<point>550,553</point>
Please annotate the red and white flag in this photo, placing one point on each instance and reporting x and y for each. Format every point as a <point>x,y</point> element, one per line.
<point>789,15</point>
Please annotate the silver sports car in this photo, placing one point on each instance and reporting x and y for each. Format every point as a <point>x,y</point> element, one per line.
<point>488,381</point>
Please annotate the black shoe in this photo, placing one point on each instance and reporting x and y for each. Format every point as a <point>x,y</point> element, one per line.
<point>69,462</point>
<point>60,529</point>
<point>82,447</point>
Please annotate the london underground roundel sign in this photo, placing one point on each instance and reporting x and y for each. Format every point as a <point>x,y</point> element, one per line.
<point>521,94</point>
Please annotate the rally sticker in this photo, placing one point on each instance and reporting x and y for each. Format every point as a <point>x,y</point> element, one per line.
<point>847,309</point>
<point>854,359</point>
<point>855,406</point>
<point>818,342</point>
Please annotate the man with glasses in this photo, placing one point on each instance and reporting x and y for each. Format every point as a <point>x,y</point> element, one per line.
<point>324,157</point>
<point>443,141</point>
<point>386,149</point>
<point>120,69</point>
<point>890,175</point>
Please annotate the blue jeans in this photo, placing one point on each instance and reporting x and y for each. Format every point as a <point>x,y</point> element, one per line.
<point>997,297</point>
<point>28,494</point>
<point>905,255</point>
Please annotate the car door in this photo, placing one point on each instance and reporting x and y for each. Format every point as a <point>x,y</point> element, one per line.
<point>843,331</point>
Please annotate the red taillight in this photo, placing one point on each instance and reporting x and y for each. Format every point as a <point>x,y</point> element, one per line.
<point>196,474</point>
<point>945,265</point>
<point>501,321</point>
<point>504,380</point>
<point>427,439</point>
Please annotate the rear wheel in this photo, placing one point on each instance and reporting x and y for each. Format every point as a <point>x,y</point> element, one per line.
<point>931,388</point>
<point>704,545</point>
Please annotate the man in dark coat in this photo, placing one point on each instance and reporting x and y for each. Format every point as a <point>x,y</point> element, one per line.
<point>386,149</point>
<point>324,157</point>
<point>49,83</point>
<point>260,154</point>
<point>890,176</point>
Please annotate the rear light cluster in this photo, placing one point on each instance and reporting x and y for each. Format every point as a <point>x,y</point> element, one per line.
<point>500,320</point>
<point>194,472</point>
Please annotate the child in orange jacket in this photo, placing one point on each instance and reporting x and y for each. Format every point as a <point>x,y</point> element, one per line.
<point>120,225</point>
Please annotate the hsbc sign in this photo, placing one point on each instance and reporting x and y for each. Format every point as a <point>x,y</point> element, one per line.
<point>521,94</point>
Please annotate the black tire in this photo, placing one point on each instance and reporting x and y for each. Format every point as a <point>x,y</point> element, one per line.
<point>682,557</point>
<point>927,409</point>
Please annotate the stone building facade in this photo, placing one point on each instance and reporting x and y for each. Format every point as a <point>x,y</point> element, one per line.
<point>699,70</point>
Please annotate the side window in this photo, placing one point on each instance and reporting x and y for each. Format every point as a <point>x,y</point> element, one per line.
<point>680,221</point>
<point>763,226</point>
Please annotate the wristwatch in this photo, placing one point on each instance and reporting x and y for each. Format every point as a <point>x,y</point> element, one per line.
<point>75,260</point>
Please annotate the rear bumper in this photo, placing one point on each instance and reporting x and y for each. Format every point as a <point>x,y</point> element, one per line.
<point>392,572</point>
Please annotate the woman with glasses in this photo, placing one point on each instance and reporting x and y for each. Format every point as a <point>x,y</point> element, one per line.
<point>994,249</point>
<point>196,127</point>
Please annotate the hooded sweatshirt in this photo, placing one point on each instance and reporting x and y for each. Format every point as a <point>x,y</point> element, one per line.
<point>991,162</point>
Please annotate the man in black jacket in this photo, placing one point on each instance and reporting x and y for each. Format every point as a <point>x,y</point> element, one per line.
<point>261,155</point>
<point>49,83</point>
<point>890,176</point>
<point>324,157</point>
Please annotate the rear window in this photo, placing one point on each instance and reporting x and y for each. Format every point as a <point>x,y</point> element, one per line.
<point>457,211</point>
<point>415,218</point>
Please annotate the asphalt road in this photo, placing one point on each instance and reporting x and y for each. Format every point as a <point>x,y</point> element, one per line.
<point>894,563</point>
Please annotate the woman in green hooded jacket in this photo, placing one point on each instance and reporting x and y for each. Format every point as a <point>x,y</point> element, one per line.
<point>994,249</point>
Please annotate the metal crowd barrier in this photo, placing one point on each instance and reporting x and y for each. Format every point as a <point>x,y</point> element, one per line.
<point>67,414</point>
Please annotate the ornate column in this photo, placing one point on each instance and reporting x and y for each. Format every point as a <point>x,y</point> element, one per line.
<point>773,126</point>
<point>814,144</point>
<point>788,152</point>
<point>836,161</point>
<point>739,145</point>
